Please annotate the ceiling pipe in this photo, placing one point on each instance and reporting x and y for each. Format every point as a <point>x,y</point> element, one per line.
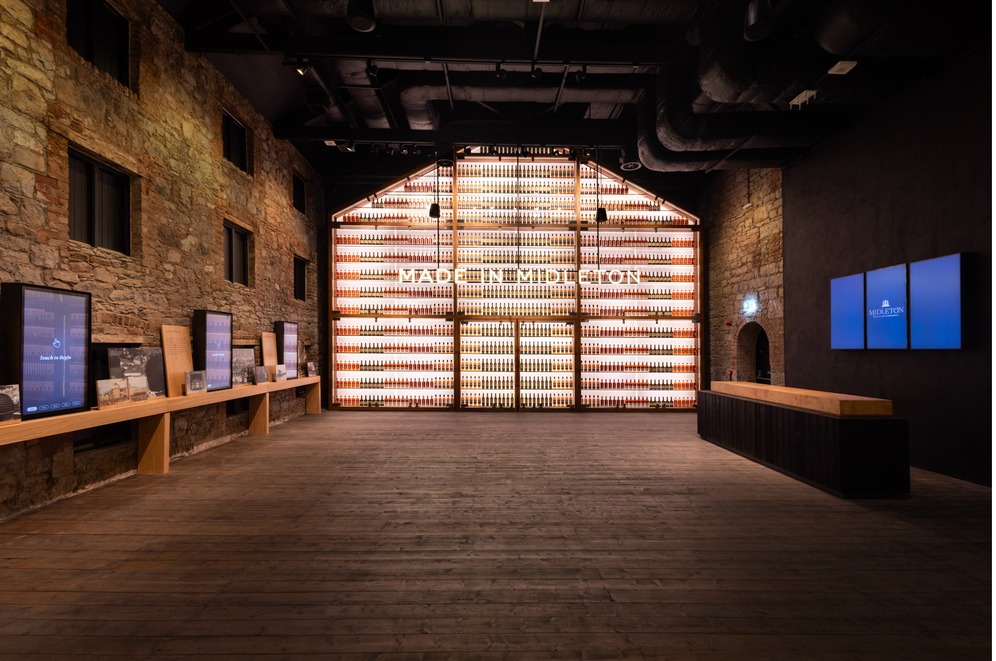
<point>679,128</point>
<point>733,71</point>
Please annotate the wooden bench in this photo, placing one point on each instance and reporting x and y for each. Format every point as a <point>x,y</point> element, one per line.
<point>153,418</point>
<point>849,445</point>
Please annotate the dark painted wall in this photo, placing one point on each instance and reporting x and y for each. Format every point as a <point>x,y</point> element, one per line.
<point>911,181</point>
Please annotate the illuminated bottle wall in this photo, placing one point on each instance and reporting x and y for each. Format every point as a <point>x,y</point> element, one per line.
<point>515,297</point>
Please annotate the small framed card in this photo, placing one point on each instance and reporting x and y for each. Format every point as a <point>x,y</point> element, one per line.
<point>196,382</point>
<point>10,404</point>
<point>260,375</point>
<point>281,373</point>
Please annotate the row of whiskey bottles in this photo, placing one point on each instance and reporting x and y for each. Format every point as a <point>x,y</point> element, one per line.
<point>638,402</point>
<point>592,349</point>
<point>635,384</point>
<point>396,400</point>
<point>395,366</point>
<point>403,330</point>
<point>652,368</point>
<point>438,347</point>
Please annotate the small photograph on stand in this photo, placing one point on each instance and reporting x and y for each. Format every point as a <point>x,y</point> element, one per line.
<point>312,368</point>
<point>10,404</point>
<point>281,373</point>
<point>261,375</point>
<point>196,382</point>
<point>112,392</point>
<point>243,364</point>
<point>138,389</point>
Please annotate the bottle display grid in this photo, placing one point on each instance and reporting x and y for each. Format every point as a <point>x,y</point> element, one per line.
<point>515,298</point>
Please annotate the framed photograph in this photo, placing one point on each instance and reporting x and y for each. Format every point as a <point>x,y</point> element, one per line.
<point>130,362</point>
<point>312,368</point>
<point>196,382</point>
<point>243,364</point>
<point>260,374</point>
<point>281,373</point>
<point>10,403</point>
<point>112,392</point>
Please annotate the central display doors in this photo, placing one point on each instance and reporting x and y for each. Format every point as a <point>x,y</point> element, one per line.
<point>517,364</point>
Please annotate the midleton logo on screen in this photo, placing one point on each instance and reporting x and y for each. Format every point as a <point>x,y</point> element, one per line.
<point>885,311</point>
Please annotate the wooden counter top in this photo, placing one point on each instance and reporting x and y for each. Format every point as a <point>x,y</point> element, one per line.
<point>831,403</point>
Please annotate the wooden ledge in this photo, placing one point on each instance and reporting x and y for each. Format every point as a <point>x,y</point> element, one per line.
<point>831,403</point>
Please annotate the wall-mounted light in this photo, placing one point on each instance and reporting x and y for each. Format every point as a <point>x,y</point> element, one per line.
<point>749,306</point>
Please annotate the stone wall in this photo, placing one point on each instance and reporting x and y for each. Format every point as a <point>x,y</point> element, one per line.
<point>744,256</point>
<point>165,131</point>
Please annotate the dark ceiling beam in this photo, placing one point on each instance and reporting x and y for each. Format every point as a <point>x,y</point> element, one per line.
<point>650,48</point>
<point>561,133</point>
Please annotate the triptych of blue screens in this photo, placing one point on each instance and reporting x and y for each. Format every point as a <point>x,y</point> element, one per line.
<point>898,307</point>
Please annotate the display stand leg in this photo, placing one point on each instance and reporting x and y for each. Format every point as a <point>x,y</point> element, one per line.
<point>313,399</point>
<point>259,415</point>
<point>153,444</point>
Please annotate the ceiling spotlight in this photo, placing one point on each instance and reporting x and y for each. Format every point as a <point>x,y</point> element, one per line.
<point>303,66</point>
<point>372,69</point>
<point>536,72</point>
<point>360,15</point>
<point>757,21</point>
<point>500,72</point>
<point>627,165</point>
<point>581,73</point>
<point>374,149</point>
<point>601,215</point>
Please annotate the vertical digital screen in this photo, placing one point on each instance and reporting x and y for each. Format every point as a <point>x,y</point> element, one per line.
<point>847,312</point>
<point>287,346</point>
<point>55,343</point>
<point>218,350</point>
<point>935,303</point>
<point>885,298</point>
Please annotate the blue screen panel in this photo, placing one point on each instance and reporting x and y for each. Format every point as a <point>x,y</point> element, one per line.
<point>847,312</point>
<point>885,298</point>
<point>935,303</point>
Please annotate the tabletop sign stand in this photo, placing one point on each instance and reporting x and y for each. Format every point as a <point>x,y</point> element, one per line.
<point>178,358</point>
<point>269,341</point>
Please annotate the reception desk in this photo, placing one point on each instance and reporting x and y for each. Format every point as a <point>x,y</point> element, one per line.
<point>848,445</point>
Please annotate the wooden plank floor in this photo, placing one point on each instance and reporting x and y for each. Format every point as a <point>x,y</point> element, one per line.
<point>495,536</point>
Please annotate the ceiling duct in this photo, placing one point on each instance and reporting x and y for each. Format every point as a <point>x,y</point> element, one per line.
<point>679,128</point>
<point>734,71</point>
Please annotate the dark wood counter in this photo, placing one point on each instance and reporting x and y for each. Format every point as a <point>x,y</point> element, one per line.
<point>847,452</point>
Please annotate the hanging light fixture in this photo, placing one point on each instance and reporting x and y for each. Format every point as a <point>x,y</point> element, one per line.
<point>601,215</point>
<point>518,207</point>
<point>434,213</point>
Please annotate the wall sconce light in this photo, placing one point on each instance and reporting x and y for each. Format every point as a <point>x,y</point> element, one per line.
<point>749,305</point>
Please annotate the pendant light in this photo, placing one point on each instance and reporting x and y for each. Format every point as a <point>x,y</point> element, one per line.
<point>434,213</point>
<point>601,215</point>
<point>518,208</point>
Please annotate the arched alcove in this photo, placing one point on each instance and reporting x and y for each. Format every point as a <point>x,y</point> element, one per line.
<point>753,354</point>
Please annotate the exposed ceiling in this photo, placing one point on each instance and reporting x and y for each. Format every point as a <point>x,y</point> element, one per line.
<point>671,86</point>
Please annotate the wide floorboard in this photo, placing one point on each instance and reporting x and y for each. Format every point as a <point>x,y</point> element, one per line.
<point>495,536</point>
